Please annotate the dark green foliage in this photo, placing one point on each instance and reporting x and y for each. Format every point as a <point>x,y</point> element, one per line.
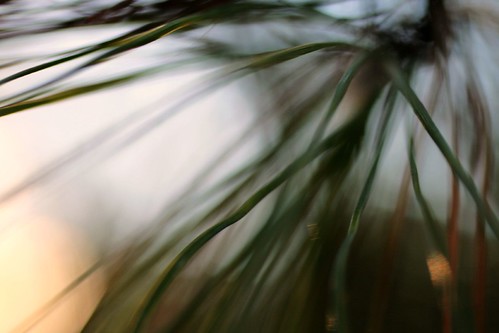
<point>324,256</point>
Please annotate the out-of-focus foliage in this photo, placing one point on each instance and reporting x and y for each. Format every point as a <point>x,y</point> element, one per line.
<point>332,88</point>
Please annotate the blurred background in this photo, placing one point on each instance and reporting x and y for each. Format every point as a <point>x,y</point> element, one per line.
<point>86,181</point>
<point>57,221</point>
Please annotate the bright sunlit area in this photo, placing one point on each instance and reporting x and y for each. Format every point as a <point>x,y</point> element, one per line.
<point>82,176</point>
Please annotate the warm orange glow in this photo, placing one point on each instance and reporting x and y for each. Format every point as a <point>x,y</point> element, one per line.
<point>440,272</point>
<point>39,259</point>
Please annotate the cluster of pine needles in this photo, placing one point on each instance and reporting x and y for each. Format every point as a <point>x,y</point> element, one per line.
<point>331,92</point>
